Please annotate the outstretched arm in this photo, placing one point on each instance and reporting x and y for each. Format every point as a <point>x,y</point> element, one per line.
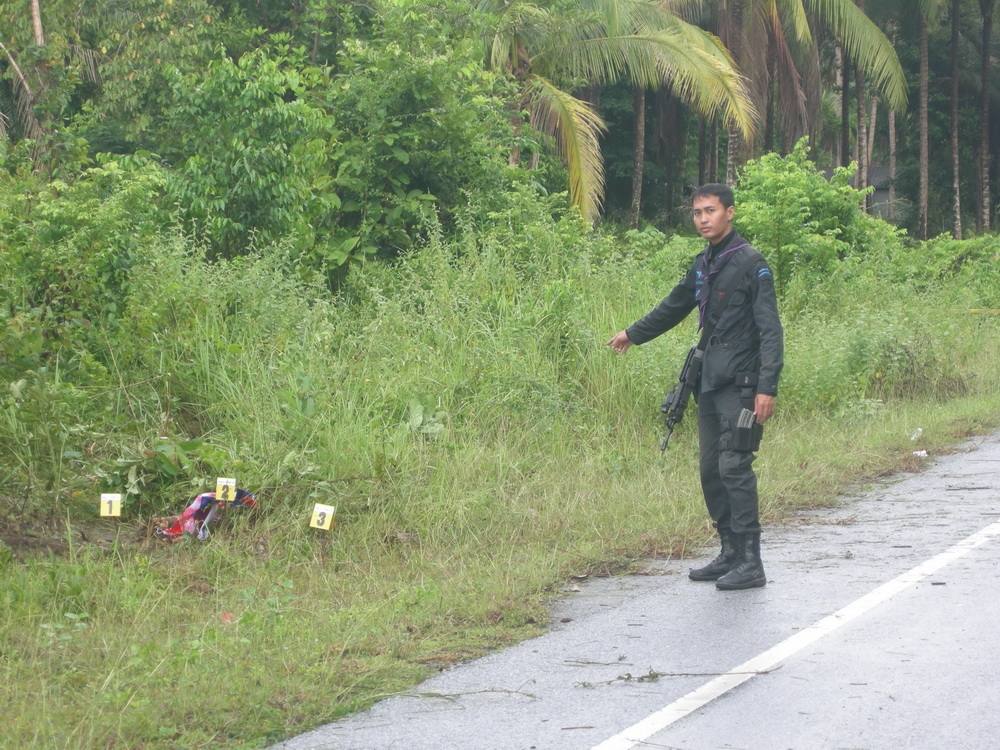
<point>671,311</point>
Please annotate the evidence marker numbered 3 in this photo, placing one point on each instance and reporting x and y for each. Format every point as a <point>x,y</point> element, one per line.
<point>322,516</point>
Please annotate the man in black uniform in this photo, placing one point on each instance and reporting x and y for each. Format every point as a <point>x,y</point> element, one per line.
<point>733,288</point>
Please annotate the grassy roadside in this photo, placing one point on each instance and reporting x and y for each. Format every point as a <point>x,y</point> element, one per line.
<point>273,629</point>
<point>459,408</point>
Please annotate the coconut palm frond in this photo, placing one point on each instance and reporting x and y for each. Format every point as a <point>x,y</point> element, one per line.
<point>88,61</point>
<point>612,15</point>
<point>701,71</point>
<point>604,60</point>
<point>807,57</point>
<point>625,16</point>
<point>931,10</point>
<point>794,115</point>
<point>577,129</point>
<point>502,51</point>
<point>754,51</point>
<point>518,23</point>
<point>690,10</point>
<point>4,125</point>
<point>24,99</point>
<point>690,60</point>
<point>794,14</point>
<point>868,47</point>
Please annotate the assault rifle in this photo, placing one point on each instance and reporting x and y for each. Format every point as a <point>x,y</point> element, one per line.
<point>677,399</point>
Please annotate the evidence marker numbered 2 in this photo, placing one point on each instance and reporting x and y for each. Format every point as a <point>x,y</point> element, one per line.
<point>322,516</point>
<point>111,504</point>
<point>225,489</point>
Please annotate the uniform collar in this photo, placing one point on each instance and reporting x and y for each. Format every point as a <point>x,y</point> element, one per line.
<point>714,250</point>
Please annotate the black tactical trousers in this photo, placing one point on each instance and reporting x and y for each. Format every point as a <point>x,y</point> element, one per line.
<point>727,477</point>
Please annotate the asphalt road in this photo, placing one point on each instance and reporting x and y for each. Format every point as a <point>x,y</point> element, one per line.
<point>879,628</point>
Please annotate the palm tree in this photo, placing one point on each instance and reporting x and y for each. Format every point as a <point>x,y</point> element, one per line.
<point>753,26</point>
<point>24,101</point>
<point>985,204</point>
<point>638,154</point>
<point>36,23</point>
<point>845,108</point>
<point>929,11</point>
<point>956,15</point>
<point>604,41</point>
<point>859,92</point>
<point>29,86</point>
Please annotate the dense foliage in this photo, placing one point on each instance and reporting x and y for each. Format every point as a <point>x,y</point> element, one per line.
<point>136,361</point>
<point>340,125</point>
<point>291,243</point>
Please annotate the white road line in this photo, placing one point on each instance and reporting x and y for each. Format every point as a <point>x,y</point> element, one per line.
<point>660,720</point>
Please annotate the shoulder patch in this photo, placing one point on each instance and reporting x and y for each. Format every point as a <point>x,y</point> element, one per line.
<point>764,273</point>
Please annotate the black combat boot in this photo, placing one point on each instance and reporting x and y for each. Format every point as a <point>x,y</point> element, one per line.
<point>749,573</point>
<point>728,558</point>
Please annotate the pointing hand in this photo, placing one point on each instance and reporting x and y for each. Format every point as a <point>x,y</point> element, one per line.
<point>620,342</point>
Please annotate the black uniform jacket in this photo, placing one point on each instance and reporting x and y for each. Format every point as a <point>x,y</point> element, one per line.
<point>748,339</point>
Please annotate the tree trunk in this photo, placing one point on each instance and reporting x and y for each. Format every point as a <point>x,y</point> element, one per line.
<point>924,76</point>
<point>956,229</point>
<point>36,22</point>
<point>838,84</point>
<point>520,70</point>
<point>678,154</point>
<point>713,167</point>
<point>732,147</point>
<point>29,122</point>
<point>772,93</point>
<point>872,125</point>
<point>892,142</point>
<point>516,126</point>
<point>845,109</point>
<point>735,146</point>
<point>859,85</point>
<point>638,153</point>
<point>985,202</point>
<point>671,134</point>
<point>892,165</point>
<point>862,144</point>
<point>702,149</point>
<point>592,95</point>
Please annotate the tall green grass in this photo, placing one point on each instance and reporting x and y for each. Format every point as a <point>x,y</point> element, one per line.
<point>480,442</point>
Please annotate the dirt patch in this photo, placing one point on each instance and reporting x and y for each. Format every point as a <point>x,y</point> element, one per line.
<point>32,539</point>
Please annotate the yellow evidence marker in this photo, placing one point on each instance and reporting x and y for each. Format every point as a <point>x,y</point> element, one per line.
<point>111,504</point>
<point>225,490</point>
<point>322,517</point>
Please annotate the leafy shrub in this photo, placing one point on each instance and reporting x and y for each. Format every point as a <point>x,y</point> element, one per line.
<point>973,265</point>
<point>420,130</point>
<point>250,149</point>
<point>70,246</point>
<point>339,164</point>
<point>802,221</point>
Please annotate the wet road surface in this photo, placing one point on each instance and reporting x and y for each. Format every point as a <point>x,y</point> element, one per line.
<point>857,641</point>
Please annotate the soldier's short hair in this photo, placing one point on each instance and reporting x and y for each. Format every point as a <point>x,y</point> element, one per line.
<point>723,192</point>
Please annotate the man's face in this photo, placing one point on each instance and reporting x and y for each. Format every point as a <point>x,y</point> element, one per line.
<point>712,220</point>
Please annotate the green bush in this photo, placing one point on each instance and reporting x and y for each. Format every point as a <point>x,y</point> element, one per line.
<point>173,369</point>
<point>250,148</point>
<point>802,221</point>
<point>70,246</point>
<point>973,265</point>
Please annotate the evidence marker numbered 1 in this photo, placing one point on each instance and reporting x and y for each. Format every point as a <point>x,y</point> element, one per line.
<point>111,504</point>
<point>322,517</point>
<point>225,489</point>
